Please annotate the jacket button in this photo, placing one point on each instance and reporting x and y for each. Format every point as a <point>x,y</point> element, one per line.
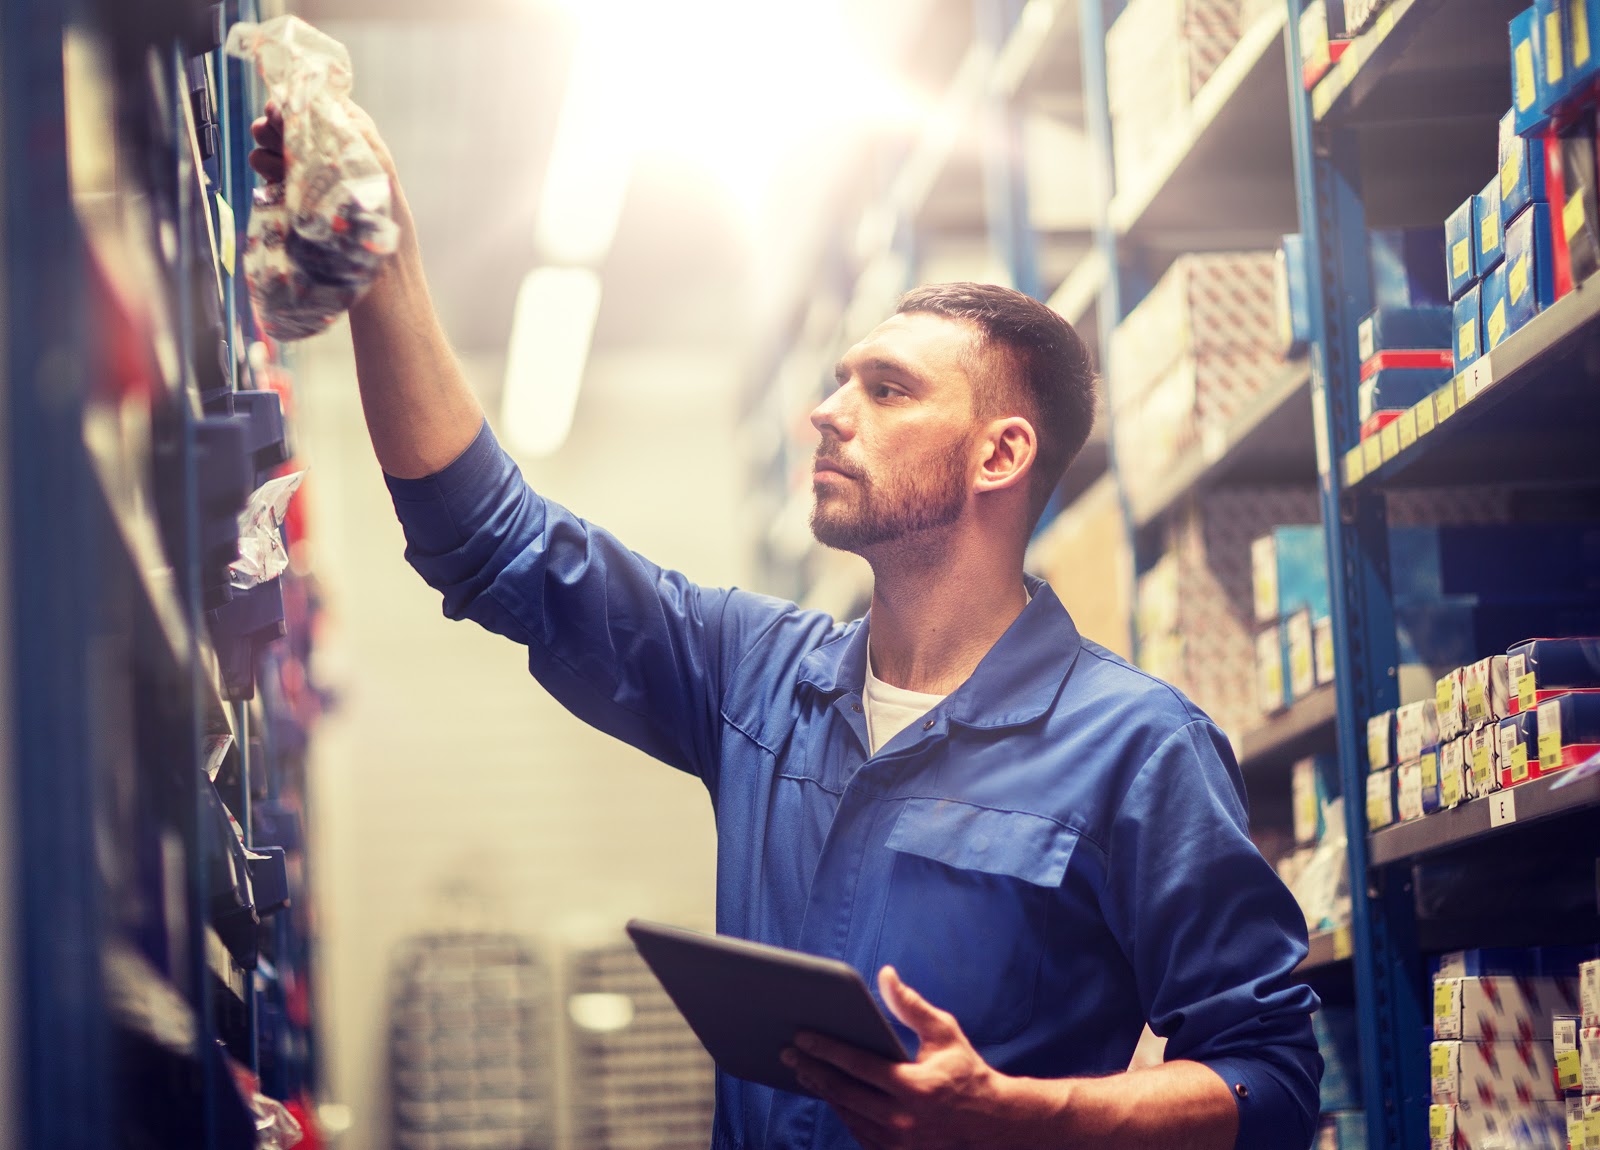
<point>1241,1090</point>
<point>856,707</point>
<point>928,726</point>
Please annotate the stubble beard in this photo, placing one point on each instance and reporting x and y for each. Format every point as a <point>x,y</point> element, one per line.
<point>866,514</point>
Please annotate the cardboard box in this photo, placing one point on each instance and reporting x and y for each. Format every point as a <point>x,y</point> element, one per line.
<point>1407,266</point>
<point>1461,257</point>
<point>1583,63</point>
<point>1496,1008</point>
<point>1589,993</point>
<point>1486,692</point>
<point>1468,325</point>
<point>1589,1060</point>
<point>1481,761</point>
<point>1527,86</point>
<point>1502,1075</point>
<point>1530,282</point>
<point>1289,570</point>
<point>1402,329</point>
<point>1397,388</point>
<point>1380,741</point>
<point>1380,798</point>
<point>1540,668</point>
<point>1301,657</point>
<point>1408,789</point>
<point>1465,1127</point>
<point>1272,678</point>
<point>1308,791</point>
<point>1488,230</point>
<point>1450,704</point>
<point>1570,177</point>
<point>1452,773</point>
<point>1494,307</point>
<point>1522,170</point>
<point>1519,748</point>
<point>1569,730</point>
<point>1416,729</point>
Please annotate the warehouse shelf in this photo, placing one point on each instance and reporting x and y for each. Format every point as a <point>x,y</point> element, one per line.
<point>1270,441</point>
<point>1304,729</point>
<point>1222,180</point>
<point>1526,410</point>
<point>1327,948</point>
<point>219,961</point>
<point>1081,290</point>
<point>1478,819</point>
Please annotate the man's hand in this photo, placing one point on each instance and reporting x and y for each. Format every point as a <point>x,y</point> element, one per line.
<point>948,1098</point>
<point>267,157</point>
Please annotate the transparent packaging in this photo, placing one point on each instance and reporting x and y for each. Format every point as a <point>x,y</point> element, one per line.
<point>262,555</point>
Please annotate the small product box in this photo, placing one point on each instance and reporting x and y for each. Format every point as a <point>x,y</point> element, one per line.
<point>1469,1127</point>
<point>1416,729</point>
<point>1519,748</point>
<point>1380,798</point>
<point>1501,1009</point>
<point>1272,687</point>
<point>1522,171</point>
<point>1482,762</point>
<point>1460,254</point>
<point>1570,175</point>
<point>1583,63</point>
<point>1527,57</point>
<point>1322,653</point>
<point>1530,282</point>
<point>1540,668</point>
<point>1589,993</point>
<point>1450,704</point>
<point>1569,730</point>
<point>1402,329</point>
<point>1589,1060</point>
<point>1468,325</point>
<point>1497,1074</point>
<point>1408,787</point>
<point>1289,570</point>
<point>1488,226</point>
<point>1301,656</point>
<point>1308,796</point>
<point>1452,775</point>
<point>1486,693</point>
<point>1496,310</point>
<point>1380,741</point>
<point>1566,1029</point>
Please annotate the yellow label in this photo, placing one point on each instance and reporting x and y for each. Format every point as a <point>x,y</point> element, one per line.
<point>1519,763</point>
<point>1467,340</point>
<point>1569,1069</point>
<point>1444,1000</point>
<point>1343,944</point>
<point>226,235</point>
<point>1497,324</point>
<point>1372,453</point>
<point>1480,767</point>
<point>1430,771</point>
<point>1489,234</point>
<point>1461,390</point>
<point>1573,217</point>
<point>1444,694</point>
<point>1527,88</point>
<point>1444,401</point>
<point>1439,1060</point>
<point>1449,788</point>
<point>1510,170</point>
<point>1354,467</point>
<point>1477,706</point>
<point>1517,279</point>
<point>1578,22</point>
<point>1389,440</point>
<point>1425,416</point>
<point>1407,423</point>
<point>1527,692</point>
<point>1552,47</point>
<point>1549,749</point>
<point>1461,259</point>
<point>1438,1122</point>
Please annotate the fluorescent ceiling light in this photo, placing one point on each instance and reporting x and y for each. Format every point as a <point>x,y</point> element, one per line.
<point>550,334</point>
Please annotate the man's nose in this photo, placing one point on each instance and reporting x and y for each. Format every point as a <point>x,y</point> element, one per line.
<point>832,414</point>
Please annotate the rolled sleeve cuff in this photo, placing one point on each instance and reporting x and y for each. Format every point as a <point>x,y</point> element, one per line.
<point>434,509</point>
<point>1270,1117</point>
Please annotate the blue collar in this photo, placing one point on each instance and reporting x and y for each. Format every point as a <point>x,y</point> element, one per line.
<point>1015,682</point>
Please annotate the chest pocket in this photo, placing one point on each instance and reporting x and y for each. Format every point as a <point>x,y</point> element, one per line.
<point>970,892</point>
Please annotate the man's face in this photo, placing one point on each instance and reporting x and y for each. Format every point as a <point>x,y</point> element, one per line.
<point>896,450</point>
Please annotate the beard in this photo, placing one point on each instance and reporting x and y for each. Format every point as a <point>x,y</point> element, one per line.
<point>865,513</point>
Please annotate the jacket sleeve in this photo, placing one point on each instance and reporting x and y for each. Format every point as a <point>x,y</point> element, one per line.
<point>631,648</point>
<point>1214,937</point>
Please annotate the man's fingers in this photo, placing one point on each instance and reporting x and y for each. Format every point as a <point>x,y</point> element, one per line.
<point>269,164</point>
<point>858,1063</point>
<point>930,1023</point>
<point>267,132</point>
<point>842,1090</point>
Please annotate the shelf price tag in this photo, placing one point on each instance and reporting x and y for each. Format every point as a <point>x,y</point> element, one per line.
<point>1355,468</point>
<point>1372,453</point>
<point>1444,402</point>
<point>1439,1067</point>
<point>1425,416</point>
<point>1389,440</point>
<point>1407,425</point>
<point>1502,808</point>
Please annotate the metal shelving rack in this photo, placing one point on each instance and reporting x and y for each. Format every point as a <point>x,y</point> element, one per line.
<point>123,131</point>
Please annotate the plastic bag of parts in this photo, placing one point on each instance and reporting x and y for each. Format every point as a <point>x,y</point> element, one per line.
<point>262,555</point>
<point>276,1128</point>
<point>316,240</point>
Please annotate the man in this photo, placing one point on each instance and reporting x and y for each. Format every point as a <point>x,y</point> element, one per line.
<point>1047,843</point>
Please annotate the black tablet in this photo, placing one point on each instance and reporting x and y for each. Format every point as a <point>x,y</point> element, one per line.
<point>746,1001</point>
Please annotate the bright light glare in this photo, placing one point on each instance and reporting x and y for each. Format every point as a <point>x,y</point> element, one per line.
<point>601,1012</point>
<point>735,86</point>
<point>550,334</point>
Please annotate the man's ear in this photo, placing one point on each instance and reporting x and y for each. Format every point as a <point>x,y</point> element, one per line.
<point>1009,449</point>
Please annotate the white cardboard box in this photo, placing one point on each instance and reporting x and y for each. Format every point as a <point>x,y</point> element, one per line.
<point>1501,1008</point>
<point>1499,1074</point>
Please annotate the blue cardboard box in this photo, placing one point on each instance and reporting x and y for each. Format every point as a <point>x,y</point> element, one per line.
<point>1408,268</point>
<point>1335,1030</point>
<point>1552,45</point>
<point>1521,170</point>
<point>1529,263</point>
<point>1468,324</point>
<point>1582,20</point>
<point>1403,328</point>
<point>1493,307</point>
<point>1289,570</point>
<point>1487,230</point>
<point>1397,388</point>
<point>1527,70</point>
<point>1294,296</point>
<point>1461,261</point>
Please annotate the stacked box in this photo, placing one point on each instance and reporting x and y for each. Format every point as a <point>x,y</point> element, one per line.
<point>1530,265</point>
<point>1497,1008</point>
<point>1539,669</point>
<point>1482,762</point>
<point>1464,1127</point>
<point>1452,774</point>
<point>1416,729</point>
<point>1408,778</point>
<point>1380,741</point>
<point>1569,730</point>
<point>1450,705</point>
<point>1500,1075</point>
<point>1519,748</point>
<point>1381,808</point>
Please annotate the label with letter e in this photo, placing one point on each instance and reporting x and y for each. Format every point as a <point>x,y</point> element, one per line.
<point>1502,808</point>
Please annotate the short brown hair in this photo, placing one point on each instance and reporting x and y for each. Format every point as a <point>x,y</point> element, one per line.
<point>1039,368</point>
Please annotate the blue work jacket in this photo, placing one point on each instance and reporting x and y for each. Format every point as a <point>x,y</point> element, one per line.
<point>1056,853</point>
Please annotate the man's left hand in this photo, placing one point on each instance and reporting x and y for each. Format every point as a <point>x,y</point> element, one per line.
<point>948,1098</point>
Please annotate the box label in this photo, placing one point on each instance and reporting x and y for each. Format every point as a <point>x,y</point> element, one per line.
<point>1450,788</point>
<point>1527,692</point>
<point>1372,454</point>
<point>1461,259</point>
<point>1497,320</point>
<point>1552,37</point>
<point>1439,1068</point>
<point>1527,87</point>
<point>1389,439</point>
<point>1444,694</point>
<point>1446,992</point>
<point>1502,808</point>
<point>1477,705</point>
<point>1430,770</point>
<point>1517,280</point>
<point>1509,172</point>
<point>1425,416</point>
<point>1467,340</point>
<point>1578,21</point>
<point>1519,762</point>
<point>1550,734</point>
<point>1438,1123</point>
<point>1444,402</point>
<point>1490,231</point>
<point>1481,779</point>
<point>1407,423</point>
<point>1569,1070</point>
<point>1460,382</point>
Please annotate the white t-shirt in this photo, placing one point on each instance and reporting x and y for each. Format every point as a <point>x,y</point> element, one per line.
<point>891,709</point>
